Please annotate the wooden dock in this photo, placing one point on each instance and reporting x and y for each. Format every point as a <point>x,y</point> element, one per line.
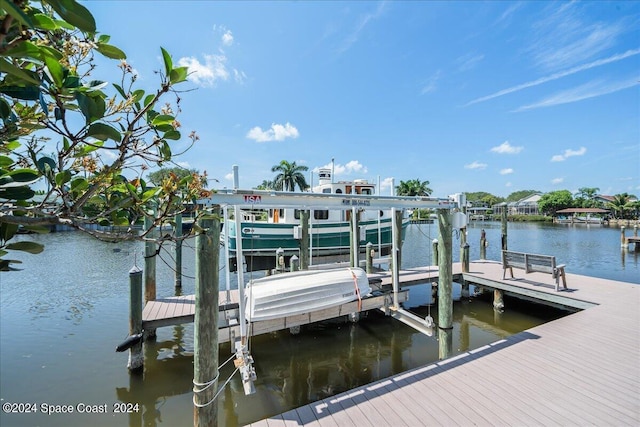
<point>582,369</point>
<point>181,309</point>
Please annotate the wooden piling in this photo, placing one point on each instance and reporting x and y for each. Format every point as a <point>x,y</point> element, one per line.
<point>465,269</point>
<point>369,258</point>
<point>136,357</point>
<point>205,340</point>
<point>445,343</point>
<point>445,276</point>
<point>304,240</point>
<point>623,239</point>
<point>498,299</point>
<point>503,235</point>
<point>178,250</point>
<point>150,247</point>
<point>483,244</point>
<point>434,252</point>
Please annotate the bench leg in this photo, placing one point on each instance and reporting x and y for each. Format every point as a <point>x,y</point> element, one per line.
<point>504,272</point>
<point>558,274</point>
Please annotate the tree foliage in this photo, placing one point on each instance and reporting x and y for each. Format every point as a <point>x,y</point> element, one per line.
<point>86,141</point>
<point>554,201</point>
<point>413,187</point>
<point>586,198</point>
<point>521,194</point>
<point>483,198</point>
<point>624,207</point>
<point>289,176</point>
<point>160,176</point>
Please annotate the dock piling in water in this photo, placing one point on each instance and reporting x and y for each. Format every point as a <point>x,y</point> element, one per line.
<point>205,339</point>
<point>445,276</point>
<point>136,357</point>
<point>483,244</point>
<point>178,249</point>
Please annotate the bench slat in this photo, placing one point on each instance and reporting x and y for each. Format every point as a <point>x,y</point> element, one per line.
<point>533,263</point>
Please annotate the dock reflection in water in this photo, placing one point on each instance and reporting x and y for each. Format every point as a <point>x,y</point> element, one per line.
<point>323,360</point>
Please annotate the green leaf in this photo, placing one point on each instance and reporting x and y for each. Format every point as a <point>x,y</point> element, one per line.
<point>55,70</point>
<point>148,99</point>
<point>120,90</point>
<point>45,162</point>
<point>15,11</point>
<point>23,175</point>
<point>79,184</point>
<point>5,109</point>
<point>168,63</point>
<point>104,38</point>
<point>75,14</point>
<point>103,131</point>
<point>63,177</point>
<point>110,51</point>
<point>164,127</point>
<point>27,76</point>
<point>7,231</point>
<point>31,247</point>
<point>165,150</point>
<point>172,134</point>
<point>92,107</point>
<point>45,22</point>
<point>89,148</point>
<point>71,82</point>
<point>36,229</point>
<point>17,193</point>
<point>178,75</point>
<point>137,95</point>
<point>162,118</point>
<point>5,161</point>
<point>24,50</point>
<point>26,93</point>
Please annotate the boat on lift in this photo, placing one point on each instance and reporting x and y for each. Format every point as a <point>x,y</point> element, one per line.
<point>278,229</point>
<point>289,294</point>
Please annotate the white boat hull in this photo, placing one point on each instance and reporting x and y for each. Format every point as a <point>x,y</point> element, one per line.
<point>302,292</point>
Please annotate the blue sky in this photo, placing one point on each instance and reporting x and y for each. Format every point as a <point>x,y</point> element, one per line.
<point>470,96</point>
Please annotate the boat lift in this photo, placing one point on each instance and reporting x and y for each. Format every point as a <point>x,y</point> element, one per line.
<point>265,199</point>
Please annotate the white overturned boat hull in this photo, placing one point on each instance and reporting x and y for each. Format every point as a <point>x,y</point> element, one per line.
<point>301,292</point>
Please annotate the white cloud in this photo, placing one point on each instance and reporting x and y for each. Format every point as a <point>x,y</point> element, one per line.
<point>564,38</point>
<point>227,38</point>
<point>385,185</point>
<point>556,181</point>
<point>229,176</point>
<point>568,153</point>
<point>239,76</point>
<point>506,171</point>
<point>353,166</point>
<point>469,61</point>
<point>476,165</point>
<point>430,84</point>
<point>277,132</point>
<point>207,73</point>
<point>508,184</point>
<point>586,91</point>
<point>360,26</point>
<point>506,148</point>
<point>556,76</point>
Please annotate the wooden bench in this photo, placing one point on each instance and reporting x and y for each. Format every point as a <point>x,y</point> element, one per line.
<point>533,263</point>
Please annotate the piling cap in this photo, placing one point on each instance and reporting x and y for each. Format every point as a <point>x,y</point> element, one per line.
<point>135,269</point>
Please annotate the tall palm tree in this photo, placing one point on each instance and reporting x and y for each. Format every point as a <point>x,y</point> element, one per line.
<point>620,205</point>
<point>289,175</point>
<point>413,187</point>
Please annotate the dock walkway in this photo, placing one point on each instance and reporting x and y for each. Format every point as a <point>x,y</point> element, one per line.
<point>582,369</point>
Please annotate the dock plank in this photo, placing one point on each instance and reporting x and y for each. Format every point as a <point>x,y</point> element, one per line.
<point>582,369</point>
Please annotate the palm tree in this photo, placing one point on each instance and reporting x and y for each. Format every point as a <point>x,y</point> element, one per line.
<point>413,187</point>
<point>289,175</point>
<point>620,205</point>
<point>266,185</point>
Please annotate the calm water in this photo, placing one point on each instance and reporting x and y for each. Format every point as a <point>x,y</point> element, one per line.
<point>62,317</point>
